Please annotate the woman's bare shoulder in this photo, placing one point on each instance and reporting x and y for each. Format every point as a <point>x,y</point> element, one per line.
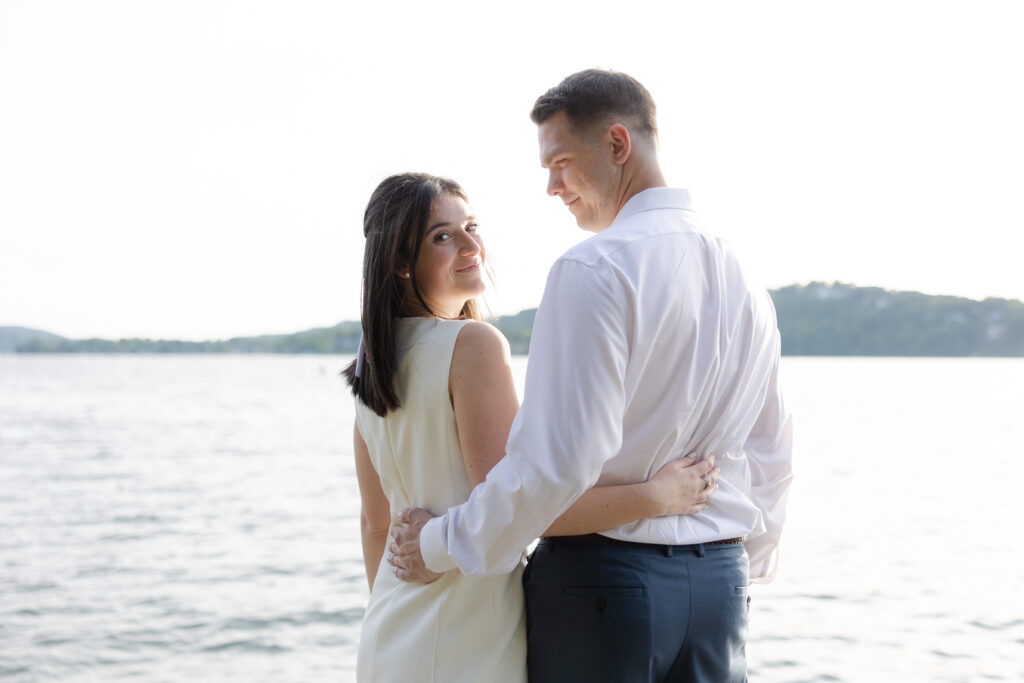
<point>480,341</point>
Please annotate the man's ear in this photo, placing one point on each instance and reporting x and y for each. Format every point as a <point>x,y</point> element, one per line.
<point>621,144</point>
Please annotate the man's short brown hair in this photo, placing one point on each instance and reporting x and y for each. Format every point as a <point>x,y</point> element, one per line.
<point>592,96</point>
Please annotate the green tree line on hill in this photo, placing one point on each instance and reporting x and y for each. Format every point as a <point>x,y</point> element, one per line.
<point>816,319</point>
<point>842,320</point>
<point>342,338</point>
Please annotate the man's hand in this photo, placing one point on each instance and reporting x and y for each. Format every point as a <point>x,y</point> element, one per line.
<point>404,551</point>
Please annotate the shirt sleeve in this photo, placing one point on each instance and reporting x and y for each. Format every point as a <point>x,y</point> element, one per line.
<point>769,451</point>
<point>569,425</point>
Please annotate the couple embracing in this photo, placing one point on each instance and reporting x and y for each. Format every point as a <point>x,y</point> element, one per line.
<point>651,453</point>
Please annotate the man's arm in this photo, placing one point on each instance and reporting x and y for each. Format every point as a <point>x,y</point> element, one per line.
<point>681,487</point>
<point>570,423</point>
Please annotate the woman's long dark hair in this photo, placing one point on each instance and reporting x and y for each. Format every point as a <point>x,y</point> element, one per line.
<point>394,225</point>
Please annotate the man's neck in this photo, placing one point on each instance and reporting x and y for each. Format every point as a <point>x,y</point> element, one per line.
<point>636,182</point>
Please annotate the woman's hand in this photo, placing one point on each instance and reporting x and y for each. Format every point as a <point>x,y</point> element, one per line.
<point>683,486</point>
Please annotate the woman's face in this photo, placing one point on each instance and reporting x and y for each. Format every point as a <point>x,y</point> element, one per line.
<point>450,268</point>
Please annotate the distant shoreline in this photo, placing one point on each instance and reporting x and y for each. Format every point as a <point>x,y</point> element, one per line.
<point>817,319</point>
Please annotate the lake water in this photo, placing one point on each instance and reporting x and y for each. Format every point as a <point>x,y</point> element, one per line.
<point>170,518</point>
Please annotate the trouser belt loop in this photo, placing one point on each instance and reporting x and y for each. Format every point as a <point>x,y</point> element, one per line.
<point>668,550</point>
<point>700,550</point>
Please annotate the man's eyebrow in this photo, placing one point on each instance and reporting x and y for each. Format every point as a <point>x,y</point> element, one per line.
<point>546,161</point>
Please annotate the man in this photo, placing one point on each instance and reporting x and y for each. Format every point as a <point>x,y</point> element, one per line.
<point>648,344</point>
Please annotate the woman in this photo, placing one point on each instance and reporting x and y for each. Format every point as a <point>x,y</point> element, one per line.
<point>435,401</point>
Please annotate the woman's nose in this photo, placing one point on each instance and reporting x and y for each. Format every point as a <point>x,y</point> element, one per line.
<point>470,244</point>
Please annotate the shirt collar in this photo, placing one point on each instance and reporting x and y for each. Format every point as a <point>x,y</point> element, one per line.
<point>654,198</point>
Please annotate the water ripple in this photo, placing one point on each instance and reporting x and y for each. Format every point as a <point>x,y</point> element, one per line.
<point>347,616</point>
<point>997,626</point>
<point>247,646</point>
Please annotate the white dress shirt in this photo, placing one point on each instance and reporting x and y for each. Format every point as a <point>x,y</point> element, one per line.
<point>648,344</point>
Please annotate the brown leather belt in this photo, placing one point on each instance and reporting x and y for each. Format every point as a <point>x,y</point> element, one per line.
<point>598,538</point>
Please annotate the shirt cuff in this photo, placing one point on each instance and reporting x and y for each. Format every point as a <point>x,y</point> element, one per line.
<point>432,547</point>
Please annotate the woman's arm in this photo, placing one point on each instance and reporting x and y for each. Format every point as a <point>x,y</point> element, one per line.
<point>484,399</point>
<point>678,488</point>
<point>375,517</point>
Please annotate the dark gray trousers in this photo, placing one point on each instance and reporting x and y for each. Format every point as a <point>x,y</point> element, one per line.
<point>642,613</point>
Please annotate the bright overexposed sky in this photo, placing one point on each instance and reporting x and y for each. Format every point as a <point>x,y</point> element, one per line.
<point>199,169</point>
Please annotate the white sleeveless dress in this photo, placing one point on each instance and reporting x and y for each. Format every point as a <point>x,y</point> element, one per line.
<point>459,628</point>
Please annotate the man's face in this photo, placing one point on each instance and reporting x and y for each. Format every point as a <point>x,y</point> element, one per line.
<point>581,171</point>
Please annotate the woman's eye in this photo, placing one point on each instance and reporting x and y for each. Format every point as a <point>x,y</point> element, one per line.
<point>472,227</point>
<point>442,237</point>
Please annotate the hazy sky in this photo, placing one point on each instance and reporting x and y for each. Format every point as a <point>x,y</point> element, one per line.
<point>199,169</point>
